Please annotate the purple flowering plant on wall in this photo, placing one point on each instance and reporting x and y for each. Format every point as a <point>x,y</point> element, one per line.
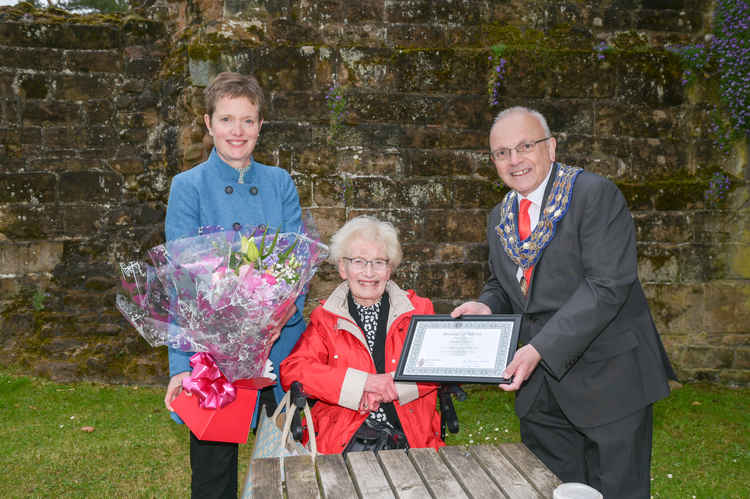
<point>717,189</point>
<point>336,104</point>
<point>726,57</point>
<point>498,66</point>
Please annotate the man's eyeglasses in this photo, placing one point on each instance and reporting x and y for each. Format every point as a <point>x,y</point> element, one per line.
<point>359,264</point>
<point>503,153</point>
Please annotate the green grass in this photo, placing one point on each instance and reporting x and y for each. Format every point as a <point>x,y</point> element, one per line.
<point>701,443</point>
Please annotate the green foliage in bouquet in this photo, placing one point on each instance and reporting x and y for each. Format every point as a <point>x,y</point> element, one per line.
<point>262,259</point>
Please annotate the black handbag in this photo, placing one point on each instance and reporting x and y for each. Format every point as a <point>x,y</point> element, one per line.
<point>375,436</point>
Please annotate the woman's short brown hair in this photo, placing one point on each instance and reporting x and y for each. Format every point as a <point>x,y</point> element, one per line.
<point>234,85</point>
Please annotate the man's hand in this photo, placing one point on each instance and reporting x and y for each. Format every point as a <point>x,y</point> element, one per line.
<point>382,385</point>
<point>174,388</point>
<point>520,368</point>
<point>471,308</point>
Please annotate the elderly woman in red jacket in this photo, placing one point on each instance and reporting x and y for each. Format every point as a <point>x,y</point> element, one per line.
<point>347,355</point>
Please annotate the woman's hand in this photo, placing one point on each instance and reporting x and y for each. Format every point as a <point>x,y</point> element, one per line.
<point>370,402</point>
<point>279,323</point>
<point>383,385</point>
<point>174,388</point>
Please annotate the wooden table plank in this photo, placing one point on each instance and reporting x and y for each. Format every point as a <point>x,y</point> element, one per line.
<point>266,478</point>
<point>531,467</point>
<point>368,476</point>
<point>299,476</point>
<point>503,473</point>
<point>334,477</point>
<point>403,477</point>
<point>435,474</point>
<point>469,473</point>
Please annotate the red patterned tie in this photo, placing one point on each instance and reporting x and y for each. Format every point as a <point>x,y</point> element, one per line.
<point>524,230</point>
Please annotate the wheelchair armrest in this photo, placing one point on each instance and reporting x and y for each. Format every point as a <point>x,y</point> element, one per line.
<point>299,398</point>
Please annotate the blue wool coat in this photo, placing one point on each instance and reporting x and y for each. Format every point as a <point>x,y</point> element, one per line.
<point>210,194</point>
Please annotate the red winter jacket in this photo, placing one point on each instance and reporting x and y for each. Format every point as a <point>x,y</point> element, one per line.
<point>332,361</point>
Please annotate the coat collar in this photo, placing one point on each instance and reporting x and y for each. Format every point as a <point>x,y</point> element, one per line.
<point>226,172</point>
<point>337,305</point>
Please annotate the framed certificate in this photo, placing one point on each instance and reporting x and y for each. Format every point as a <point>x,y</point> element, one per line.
<point>471,349</point>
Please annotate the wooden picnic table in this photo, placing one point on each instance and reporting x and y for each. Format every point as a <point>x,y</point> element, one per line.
<point>476,471</point>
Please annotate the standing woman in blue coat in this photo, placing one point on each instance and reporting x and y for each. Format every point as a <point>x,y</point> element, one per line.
<point>231,190</point>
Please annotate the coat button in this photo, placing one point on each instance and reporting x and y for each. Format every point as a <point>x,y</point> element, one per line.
<point>336,356</point>
<point>228,189</point>
<point>236,226</point>
<point>253,190</point>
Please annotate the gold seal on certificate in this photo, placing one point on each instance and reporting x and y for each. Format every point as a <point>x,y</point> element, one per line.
<point>471,349</point>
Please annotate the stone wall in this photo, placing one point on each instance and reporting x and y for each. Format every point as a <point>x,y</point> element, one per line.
<point>99,112</point>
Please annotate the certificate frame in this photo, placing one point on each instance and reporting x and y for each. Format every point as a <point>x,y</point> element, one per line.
<point>494,336</point>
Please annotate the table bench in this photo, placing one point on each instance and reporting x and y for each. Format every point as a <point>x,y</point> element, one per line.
<point>478,471</point>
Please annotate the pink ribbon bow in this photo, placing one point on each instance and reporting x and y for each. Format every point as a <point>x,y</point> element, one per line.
<point>206,381</point>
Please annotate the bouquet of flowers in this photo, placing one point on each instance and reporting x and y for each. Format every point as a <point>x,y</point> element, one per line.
<point>220,292</point>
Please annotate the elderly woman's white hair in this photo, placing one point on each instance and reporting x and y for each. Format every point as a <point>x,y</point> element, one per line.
<point>367,228</point>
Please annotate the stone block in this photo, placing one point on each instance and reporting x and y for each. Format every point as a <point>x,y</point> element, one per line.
<point>664,227</point>
<point>475,194</point>
<point>432,137</point>
<point>62,35</point>
<point>35,58</point>
<point>299,106</point>
<point>663,19</point>
<point>316,162</point>
<point>328,220</point>
<point>727,307</point>
<point>678,309</point>
<point>454,226</point>
<point>23,258</point>
<point>426,194</point>
<point>27,188</point>
<point>434,162</point>
<point>409,11</point>
<point>63,137</point>
<point>89,186</point>
<point>331,192</point>
<point>367,161</point>
<point>435,70</point>
<point>706,357</point>
<point>742,358</point>
<point>92,61</point>
<point>651,78</point>
<point>38,112</point>
<point>658,263</point>
<point>410,36</point>
<point>30,221</point>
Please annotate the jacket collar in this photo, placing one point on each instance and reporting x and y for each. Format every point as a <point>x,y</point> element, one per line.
<point>226,172</point>
<point>337,305</point>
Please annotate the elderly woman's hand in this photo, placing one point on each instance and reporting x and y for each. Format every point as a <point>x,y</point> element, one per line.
<point>370,402</point>
<point>383,385</point>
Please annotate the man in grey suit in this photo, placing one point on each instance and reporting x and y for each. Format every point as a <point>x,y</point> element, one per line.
<point>590,362</point>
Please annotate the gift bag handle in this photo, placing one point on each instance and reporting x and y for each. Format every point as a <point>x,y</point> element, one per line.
<point>286,405</point>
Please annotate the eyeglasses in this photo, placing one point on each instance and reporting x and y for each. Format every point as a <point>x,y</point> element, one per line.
<point>360,264</point>
<point>503,153</point>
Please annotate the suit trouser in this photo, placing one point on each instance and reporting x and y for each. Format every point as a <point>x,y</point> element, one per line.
<point>214,469</point>
<point>214,464</point>
<point>614,458</point>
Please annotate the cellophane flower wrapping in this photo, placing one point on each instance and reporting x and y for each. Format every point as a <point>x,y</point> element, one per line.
<point>220,292</point>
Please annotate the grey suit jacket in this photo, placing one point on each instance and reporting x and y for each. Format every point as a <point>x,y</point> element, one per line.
<point>585,313</point>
